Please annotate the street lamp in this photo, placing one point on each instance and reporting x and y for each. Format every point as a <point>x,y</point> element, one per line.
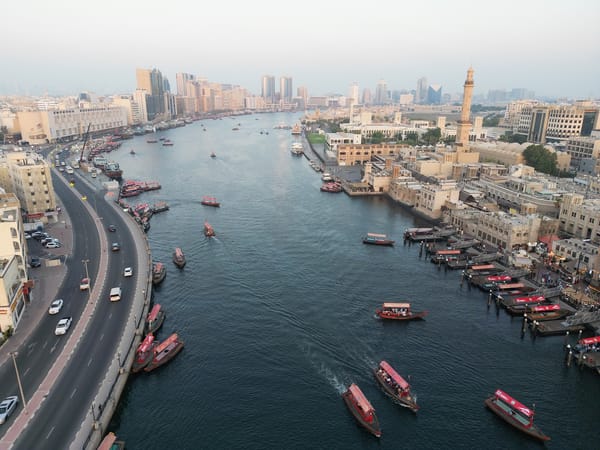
<point>14,354</point>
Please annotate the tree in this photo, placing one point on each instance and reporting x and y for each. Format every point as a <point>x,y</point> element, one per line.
<point>377,137</point>
<point>432,136</point>
<point>541,159</point>
<point>509,136</point>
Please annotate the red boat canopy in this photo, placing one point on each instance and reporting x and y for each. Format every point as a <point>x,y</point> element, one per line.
<point>164,344</point>
<point>154,313</point>
<point>483,267</point>
<point>530,299</point>
<point>360,398</point>
<point>542,308</point>
<point>146,343</point>
<point>505,287</point>
<point>499,278</point>
<point>448,252</point>
<point>396,305</point>
<point>501,395</point>
<point>590,340</point>
<point>395,376</point>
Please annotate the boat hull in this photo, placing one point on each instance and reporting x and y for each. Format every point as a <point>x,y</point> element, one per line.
<point>410,316</point>
<point>373,427</point>
<point>532,431</point>
<point>152,327</point>
<point>155,364</point>
<point>141,361</point>
<point>215,204</point>
<point>406,402</point>
<point>384,242</point>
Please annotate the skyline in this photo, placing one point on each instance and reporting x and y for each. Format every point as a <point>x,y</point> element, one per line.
<point>322,47</point>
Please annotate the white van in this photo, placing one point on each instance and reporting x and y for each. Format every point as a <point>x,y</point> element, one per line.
<point>115,294</point>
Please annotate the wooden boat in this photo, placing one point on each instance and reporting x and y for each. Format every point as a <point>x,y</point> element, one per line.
<point>144,353</point>
<point>546,312</point>
<point>132,152</point>
<point>151,141</point>
<point>361,409</point>
<point>155,319</point>
<point>395,386</point>
<point>210,201</point>
<point>514,413</point>
<point>399,311</point>
<point>208,230</point>
<point>518,305</point>
<point>377,239</point>
<point>179,258</point>
<point>110,442</point>
<point>164,352</point>
<point>167,143</point>
<point>590,344</point>
<point>212,154</point>
<point>331,186</point>
<point>159,272</point>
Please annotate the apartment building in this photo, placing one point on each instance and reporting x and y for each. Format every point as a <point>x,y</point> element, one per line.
<point>580,217</point>
<point>433,197</point>
<point>583,256</point>
<point>353,154</point>
<point>13,252</point>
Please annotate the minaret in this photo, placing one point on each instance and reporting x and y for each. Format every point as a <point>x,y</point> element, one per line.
<point>464,124</point>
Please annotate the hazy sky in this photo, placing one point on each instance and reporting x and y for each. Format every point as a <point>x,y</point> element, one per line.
<point>68,46</point>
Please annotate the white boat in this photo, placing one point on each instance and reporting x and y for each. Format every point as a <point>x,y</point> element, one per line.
<point>297,148</point>
<point>326,176</point>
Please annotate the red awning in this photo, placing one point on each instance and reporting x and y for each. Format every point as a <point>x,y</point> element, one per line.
<point>360,398</point>
<point>590,340</point>
<point>548,239</point>
<point>394,375</point>
<point>499,278</point>
<point>530,299</point>
<point>514,403</point>
<point>542,308</point>
<point>154,313</point>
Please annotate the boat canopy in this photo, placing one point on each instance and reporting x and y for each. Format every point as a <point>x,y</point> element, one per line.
<point>178,253</point>
<point>158,267</point>
<point>590,340</point>
<point>448,252</point>
<point>499,278</point>
<point>530,299</point>
<point>501,395</point>
<point>164,344</point>
<point>483,267</point>
<point>395,376</point>
<point>154,313</point>
<point>508,286</point>
<point>375,235</point>
<point>360,398</point>
<point>146,343</point>
<point>543,308</point>
<point>396,305</point>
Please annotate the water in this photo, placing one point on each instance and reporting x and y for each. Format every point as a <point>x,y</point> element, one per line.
<point>277,314</point>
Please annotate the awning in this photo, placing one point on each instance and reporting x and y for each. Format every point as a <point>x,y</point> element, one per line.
<point>548,239</point>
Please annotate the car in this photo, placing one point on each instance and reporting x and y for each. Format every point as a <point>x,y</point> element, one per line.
<point>128,272</point>
<point>63,326</point>
<point>61,169</point>
<point>52,245</point>
<point>46,240</point>
<point>35,262</point>
<point>37,234</point>
<point>7,407</point>
<point>85,284</point>
<point>112,228</point>
<point>115,247</point>
<point>56,306</point>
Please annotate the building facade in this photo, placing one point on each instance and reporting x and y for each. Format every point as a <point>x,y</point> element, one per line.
<point>580,218</point>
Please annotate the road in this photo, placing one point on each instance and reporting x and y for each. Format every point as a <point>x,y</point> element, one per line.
<point>70,398</point>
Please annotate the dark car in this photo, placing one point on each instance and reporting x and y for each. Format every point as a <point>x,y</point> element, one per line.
<point>115,247</point>
<point>35,262</point>
<point>112,228</point>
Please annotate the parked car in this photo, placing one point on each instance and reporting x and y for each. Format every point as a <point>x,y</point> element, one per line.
<point>52,244</point>
<point>56,306</point>
<point>37,234</point>
<point>35,262</point>
<point>115,247</point>
<point>63,326</point>
<point>128,272</point>
<point>85,284</point>
<point>7,407</point>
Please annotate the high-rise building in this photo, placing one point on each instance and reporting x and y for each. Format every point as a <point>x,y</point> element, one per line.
<point>354,94</point>
<point>434,94</point>
<point>268,88</point>
<point>421,92</point>
<point>181,79</point>
<point>285,89</point>
<point>464,123</point>
<point>153,83</point>
<point>381,93</point>
<point>367,97</point>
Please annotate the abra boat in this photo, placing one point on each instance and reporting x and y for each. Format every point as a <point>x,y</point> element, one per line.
<point>179,258</point>
<point>164,352</point>
<point>159,272</point>
<point>297,149</point>
<point>540,313</point>
<point>331,186</point>
<point>132,152</point>
<point>514,413</point>
<point>208,230</point>
<point>212,154</point>
<point>399,311</point>
<point>144,353</point>
<point>361,409</point>
<point>377,239</point>
<point>395,386</point>
<point>151,141</point>
<point>167,143</point>
<point>210,201</point>
<point>155,319</point>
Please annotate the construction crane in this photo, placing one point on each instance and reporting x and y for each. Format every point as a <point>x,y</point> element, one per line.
<point>85,139</point>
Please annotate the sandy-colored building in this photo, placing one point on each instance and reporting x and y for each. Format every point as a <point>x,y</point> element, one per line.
<point>353,154</point>
<point>433,197</point>
<point>580,217</point>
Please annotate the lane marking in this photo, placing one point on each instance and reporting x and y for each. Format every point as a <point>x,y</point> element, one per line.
<point>89,362</point>
<point>102,336</point>
<point>73,393</point>
<point>50,432</point>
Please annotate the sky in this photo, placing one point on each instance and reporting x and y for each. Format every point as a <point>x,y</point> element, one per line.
<point>64,47</point>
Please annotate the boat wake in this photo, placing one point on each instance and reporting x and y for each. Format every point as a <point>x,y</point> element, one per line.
<point>333,380</point>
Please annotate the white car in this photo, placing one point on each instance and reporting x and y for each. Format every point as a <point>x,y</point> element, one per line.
<point>7,406</point>
<point>55,306</point>
<point>128,272</point>
<point>63,326</point>
<point>52,244</point>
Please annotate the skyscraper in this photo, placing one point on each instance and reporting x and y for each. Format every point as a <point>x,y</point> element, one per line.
<point>421,92</point>
<point>354,94</point>
<point>381,94</point>
<point>181,79</point>
<point>268,88</point>
<point>285,89</point>
<point>434,94</point>
<point>152,82</point>
<point>464,124</point>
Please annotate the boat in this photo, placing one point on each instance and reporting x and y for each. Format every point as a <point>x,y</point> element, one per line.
<point>159,272</point>
<point>151,141</point>
<point>164,352</point>
<point>160,207</point>
<point>296,130</point>
<point>144,353</point>
<point>208,230</point>
<point>395,386</point>
<point>132,152</point>
<point>167,143</point>
<point>514,413</point>
<point>332,186</point>
<point>155,319</point>
<point>377,239</point>
<point>399,311</point>
<point>541,313</point>
<point>113,171</point>
<point>361,409</point>
<point>110,442</point>
<point>210,201</point>
<point>297,149</point>
<point>589,344</point>
<point>213,155</point>
<point>326,177</point>
<point>179,258</point>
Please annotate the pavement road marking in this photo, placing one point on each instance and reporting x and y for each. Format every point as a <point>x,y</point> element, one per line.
<point>53,348</point>
<point>89,362</point>
<point>25,373</point>
<point>73,393</point>
<point>50,432</point>
<point>102,336</point>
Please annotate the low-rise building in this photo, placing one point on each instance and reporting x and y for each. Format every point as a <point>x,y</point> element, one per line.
<point>580,218</point>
